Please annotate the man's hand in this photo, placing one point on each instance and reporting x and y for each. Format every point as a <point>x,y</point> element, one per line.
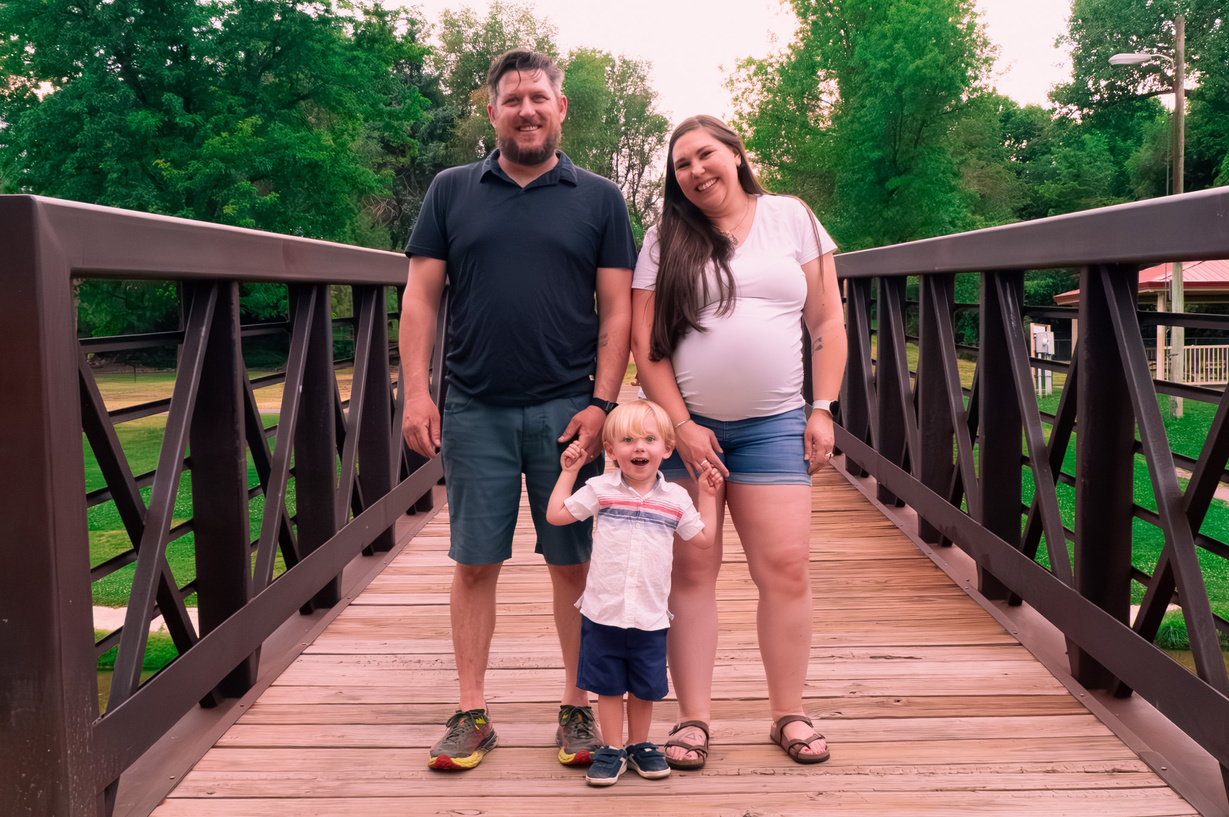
<point>585,428</point>
<point>420,425</point>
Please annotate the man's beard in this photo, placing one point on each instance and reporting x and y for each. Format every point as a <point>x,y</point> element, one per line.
<point>529,158</point>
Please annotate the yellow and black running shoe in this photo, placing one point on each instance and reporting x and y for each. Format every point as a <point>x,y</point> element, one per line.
<point>469,737</point>
<point>577,736</point>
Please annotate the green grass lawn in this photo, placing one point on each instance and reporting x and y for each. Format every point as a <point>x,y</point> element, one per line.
<point>142,443</point>
<point>1186,436</point>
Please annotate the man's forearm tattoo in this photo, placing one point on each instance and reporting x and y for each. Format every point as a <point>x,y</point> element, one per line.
<point>602,340</point>
<point>817,344</point>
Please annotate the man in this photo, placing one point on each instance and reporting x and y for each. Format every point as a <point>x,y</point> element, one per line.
<point>526,241</point>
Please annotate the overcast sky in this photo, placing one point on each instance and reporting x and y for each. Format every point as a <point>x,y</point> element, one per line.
<point>694,44</point>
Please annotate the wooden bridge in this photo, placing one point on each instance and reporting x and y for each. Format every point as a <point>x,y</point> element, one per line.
<point>941,693</point>
<point>930,705</point>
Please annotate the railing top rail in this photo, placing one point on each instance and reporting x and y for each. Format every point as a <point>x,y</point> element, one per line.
<point>113,243</point>
<point>1188,227</point>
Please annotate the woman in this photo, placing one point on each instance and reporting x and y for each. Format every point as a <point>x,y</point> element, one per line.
<point>720,287</point>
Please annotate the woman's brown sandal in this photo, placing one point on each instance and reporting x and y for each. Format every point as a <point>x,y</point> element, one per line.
<point>794,747</point>
<point>701,749</point>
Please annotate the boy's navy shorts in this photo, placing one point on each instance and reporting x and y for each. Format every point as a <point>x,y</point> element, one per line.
<point>614,660</point>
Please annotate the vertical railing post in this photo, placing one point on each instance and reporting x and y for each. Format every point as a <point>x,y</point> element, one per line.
<point>48,680</point>
<point>315,442</point>
<point>937,433</point>
<point>1104,464</point>
<point>857,389</point>
<point>1002,433</point>
<point>218,459</point>
<point>890,418</point>
<point>379,442</point>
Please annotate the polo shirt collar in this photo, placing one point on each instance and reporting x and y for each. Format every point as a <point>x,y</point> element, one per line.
<point>563,171</point>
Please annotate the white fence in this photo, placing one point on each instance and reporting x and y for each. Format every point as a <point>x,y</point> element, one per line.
<point>1204,365</point>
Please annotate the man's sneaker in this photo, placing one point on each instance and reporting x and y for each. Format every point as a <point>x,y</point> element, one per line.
<point>646,760</point>
<point>608,764</point>
<point>469,737</point>
<point>577,736</point>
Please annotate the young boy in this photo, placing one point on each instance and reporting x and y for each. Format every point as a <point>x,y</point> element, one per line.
<point>623,609</point>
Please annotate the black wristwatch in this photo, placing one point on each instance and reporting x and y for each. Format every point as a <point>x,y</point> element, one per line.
<point>605,405</point>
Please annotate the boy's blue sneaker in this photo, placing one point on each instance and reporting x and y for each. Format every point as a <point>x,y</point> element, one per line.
<point>608,764</point>
<point>647,760</point>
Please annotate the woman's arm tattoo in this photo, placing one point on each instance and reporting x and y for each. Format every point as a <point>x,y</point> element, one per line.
<point>817,344</point>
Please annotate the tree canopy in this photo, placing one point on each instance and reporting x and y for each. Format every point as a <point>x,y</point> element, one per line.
<point>860,111</point>
<point>322,119</point>
<point>884,118</point>
<point>257,113</point>
<point>329,119</point>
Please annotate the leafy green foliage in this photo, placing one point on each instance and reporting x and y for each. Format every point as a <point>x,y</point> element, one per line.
<point>613,127</point>
<point>1119,103</point>
<point>878,115</point>
<point>1081,175</point>
<point>142,443</point>
<point>888,83</point>
<point>257,113</point>
<point>280,115</point>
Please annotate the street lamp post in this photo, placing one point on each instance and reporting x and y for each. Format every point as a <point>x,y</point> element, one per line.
<point>1177,295</point>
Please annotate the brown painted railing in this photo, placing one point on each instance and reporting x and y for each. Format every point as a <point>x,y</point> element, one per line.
<point>959,464</point>
<point>955,455</point>
<point>352,478</point>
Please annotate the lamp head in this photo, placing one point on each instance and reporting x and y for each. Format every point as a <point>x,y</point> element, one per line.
<point>1133,58</point>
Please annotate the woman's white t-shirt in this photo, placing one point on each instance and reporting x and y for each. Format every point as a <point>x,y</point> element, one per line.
<point>748,362</point>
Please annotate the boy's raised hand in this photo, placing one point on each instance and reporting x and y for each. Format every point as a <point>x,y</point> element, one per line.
<point>573,457</point>
<point>709,480</point>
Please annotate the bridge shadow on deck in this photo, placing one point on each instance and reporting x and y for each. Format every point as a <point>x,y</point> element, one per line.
<point>930,706</point>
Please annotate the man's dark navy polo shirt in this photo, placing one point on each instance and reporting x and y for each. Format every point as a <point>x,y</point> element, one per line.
<point>522,270</point>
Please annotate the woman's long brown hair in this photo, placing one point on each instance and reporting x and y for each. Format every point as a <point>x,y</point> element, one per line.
<point>686,242</point>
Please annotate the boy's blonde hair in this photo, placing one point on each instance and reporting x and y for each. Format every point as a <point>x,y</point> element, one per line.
<point>627,420</point>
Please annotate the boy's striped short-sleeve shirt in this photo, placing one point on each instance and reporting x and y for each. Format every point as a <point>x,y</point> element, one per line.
<point>633,549</point>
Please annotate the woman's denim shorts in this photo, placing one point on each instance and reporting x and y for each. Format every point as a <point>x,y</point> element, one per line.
<point>757,451</point>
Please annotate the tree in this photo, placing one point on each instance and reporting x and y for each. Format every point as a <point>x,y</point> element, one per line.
<point>614,128</point>
<point>1030,136</point>
<point>272,114</point>
<point>983,153</point>
<point>1119,102</point>
<point>887,83</point>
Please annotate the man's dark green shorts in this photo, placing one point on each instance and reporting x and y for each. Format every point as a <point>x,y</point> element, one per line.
<point>486,449</point>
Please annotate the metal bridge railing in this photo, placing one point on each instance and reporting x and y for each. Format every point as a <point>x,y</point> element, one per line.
<point>344,462</point>
<point>984,467</point>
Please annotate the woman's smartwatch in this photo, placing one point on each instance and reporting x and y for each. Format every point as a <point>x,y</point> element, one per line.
<point>829,406</point>
<point>605,405</point>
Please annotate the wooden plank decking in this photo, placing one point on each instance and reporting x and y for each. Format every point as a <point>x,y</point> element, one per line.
<point>930,706</point>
